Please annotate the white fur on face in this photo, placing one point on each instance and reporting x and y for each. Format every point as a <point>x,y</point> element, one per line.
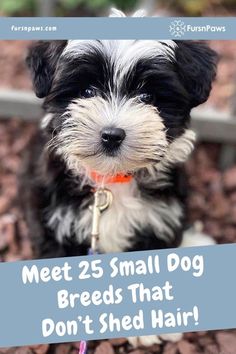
<point>178,152</point>
<point>79,141</point>
<point>123,55</point>
<point>128,212</point>
<point>46,120</point>
<point>145,142</point>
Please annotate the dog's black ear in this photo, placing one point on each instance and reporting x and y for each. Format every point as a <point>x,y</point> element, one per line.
<point>42,61</point>
<point>196,65</point>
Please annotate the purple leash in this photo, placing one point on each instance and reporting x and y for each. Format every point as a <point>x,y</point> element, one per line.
<point>83,347</point>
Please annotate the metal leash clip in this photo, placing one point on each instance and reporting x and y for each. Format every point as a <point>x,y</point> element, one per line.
<point>102,200</point>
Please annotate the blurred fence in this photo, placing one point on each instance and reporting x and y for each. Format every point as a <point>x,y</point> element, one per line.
<point>22,104</point>
<point>46,8</point>
<point>210,125</point>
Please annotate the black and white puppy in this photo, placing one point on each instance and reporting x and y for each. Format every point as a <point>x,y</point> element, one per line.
<point>113,107</point>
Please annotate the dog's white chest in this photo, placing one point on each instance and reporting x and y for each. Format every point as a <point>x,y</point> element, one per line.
<point>129,212</point>
<point>117,223</point>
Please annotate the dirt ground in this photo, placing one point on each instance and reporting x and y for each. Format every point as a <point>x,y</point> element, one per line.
<point>211,201</point>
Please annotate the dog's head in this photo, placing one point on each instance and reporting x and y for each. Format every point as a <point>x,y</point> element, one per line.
<point>115,106</point>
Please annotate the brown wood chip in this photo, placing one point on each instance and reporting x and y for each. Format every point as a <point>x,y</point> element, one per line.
<point>104,348</point>
<point>63,348</point>
<point>170,348</point>
<point>211,349</point>
<point>40,349</point>
<point>227,342</point>
<point>187,348</point>
<point>118,341</point>
<point>23,350</point>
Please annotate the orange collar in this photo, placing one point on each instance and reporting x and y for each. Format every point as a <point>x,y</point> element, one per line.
<point>120,178</point>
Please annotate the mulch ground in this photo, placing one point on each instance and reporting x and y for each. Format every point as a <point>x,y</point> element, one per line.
<point>212,201</point>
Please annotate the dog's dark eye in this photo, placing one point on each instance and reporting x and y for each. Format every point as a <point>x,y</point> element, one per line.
<point>145,97</point>
<point>88,92</point>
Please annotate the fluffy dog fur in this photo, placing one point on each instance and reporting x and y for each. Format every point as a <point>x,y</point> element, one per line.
<point>145,88</point>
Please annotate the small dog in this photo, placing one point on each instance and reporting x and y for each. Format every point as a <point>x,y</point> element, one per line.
<point>117,116</point>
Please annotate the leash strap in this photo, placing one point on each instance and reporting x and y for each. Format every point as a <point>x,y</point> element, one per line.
<point>102,200</point>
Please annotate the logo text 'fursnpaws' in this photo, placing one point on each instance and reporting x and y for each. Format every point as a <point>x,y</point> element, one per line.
<point>178,28</point>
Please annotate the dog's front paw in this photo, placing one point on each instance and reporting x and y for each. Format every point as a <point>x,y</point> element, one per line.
<point>148,341</point>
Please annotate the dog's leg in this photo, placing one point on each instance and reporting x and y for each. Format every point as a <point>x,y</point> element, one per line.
<point>195,237</point>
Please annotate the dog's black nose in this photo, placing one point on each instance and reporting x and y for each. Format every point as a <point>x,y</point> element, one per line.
<point>112,137</point>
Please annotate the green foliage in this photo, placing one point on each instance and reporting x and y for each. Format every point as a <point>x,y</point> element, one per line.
<point>125,5</point>
<point>185,7</point>
<point>98,4</point>
<point>12,7</point>
<point>192,7</point>
<point>92,4</point>
<point>199,7</point>
<point>20,7</point>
